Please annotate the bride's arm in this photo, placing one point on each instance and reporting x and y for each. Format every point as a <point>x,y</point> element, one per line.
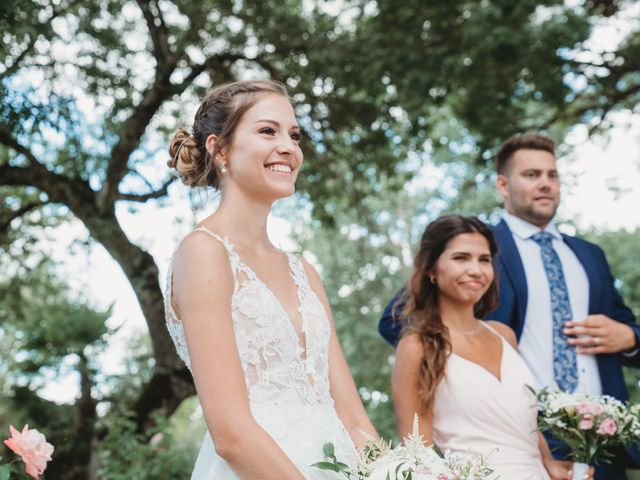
<point>405,389</point>
<point>203,286</point>
<point>343,389</point>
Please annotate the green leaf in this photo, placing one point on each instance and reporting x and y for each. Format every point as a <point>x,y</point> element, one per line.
<point>327,466</point>
<point>438,450</point>
<point>329,450</point>
<point>5,472</point>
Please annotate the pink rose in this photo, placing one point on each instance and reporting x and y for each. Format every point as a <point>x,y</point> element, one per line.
<point>597,409</point>
<point>583,407</point>
<point>32,446</point>
<point>608,427</point>
<point>586,423</point>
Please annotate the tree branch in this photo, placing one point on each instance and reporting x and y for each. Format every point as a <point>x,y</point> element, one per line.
<point>134,197</point>
<point>157,30</point>
<point>614,100</point>
<point>10,70</point>
<point>131,132</point>
<point>7,139</point>
<point>7,216</point>
<point>591,103</point>
<point>74,192</point>
<point>211,63</point>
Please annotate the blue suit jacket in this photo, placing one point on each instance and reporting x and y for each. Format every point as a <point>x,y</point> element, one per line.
<point>603,299</point>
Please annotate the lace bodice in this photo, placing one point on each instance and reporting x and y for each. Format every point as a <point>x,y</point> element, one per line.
<point>277,369</point>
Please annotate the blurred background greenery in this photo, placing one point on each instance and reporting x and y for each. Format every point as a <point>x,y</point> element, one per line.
<point>402,104</point>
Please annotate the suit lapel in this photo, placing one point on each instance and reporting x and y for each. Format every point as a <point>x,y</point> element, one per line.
<point>586,260</point>
<point>513,268</point>
<point>606,363</point>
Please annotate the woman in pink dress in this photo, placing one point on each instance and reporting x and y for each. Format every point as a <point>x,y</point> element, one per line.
<point>462,375</point>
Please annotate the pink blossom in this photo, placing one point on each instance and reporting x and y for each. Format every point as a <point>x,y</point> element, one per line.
<point>592,408</point>
<point>608,427</point>
<point>584,407</point>
<point>586,423</point>
<point>597,409</point>
<point>32,446</point>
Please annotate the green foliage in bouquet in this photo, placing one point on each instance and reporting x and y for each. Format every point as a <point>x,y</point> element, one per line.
<point>332,464</point>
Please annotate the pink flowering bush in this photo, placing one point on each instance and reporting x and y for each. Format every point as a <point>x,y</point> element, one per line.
<point>32,447</point>
<point>590,425</point>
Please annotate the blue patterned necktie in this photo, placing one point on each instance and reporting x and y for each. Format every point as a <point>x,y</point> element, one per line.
<point>564,355</point>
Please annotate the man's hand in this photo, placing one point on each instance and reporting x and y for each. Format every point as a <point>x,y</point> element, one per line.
<point>563,470</point>
<point>600,334</point>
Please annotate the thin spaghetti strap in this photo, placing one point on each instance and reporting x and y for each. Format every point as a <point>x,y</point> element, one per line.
<point>486,325</point>
<point>222,240</point>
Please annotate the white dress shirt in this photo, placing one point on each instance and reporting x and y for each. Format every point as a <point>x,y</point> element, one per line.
<point>536,341</point>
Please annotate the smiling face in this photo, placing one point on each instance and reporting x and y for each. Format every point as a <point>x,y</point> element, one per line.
<point>264,157</point>
<point>530,186</point>
<point>464,270</point>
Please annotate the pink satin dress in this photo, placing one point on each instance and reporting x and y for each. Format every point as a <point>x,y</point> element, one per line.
<point>476,412</point>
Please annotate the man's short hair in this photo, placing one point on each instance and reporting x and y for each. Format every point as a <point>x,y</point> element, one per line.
<point>529,141</point>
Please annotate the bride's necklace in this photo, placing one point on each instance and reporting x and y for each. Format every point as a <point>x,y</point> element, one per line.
<point>466,332</point>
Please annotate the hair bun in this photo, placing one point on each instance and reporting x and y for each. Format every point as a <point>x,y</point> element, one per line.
<point>184,155</point>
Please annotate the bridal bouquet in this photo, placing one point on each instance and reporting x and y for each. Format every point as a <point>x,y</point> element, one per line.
<point>411,460</point>
<point>590,425</point>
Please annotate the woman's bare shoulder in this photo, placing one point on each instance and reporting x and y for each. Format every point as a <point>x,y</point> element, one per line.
<point>506,331</point>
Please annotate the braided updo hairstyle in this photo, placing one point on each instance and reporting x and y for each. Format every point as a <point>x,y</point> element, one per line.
<point>218,114</point>
<point>421,312</point>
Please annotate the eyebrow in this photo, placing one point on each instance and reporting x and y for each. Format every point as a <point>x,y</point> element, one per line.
<point>469,253</point>
<point>540,170</point>
<point>277,124</point>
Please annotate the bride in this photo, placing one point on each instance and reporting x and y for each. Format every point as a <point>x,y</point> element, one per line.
<point>250,321</point>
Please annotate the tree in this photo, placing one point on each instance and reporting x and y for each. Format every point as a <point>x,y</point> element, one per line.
<point>44,333</point>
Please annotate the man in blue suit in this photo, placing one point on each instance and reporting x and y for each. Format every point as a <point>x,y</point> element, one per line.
<point>556,291</point>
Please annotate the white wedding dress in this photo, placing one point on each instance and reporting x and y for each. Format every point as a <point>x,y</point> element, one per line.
<point>288,385</point>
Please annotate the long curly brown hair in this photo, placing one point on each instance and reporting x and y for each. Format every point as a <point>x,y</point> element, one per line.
<point>421,314</point>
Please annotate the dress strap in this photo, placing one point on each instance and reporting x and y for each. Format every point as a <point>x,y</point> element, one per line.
<point>237,265</point>
<point>486,325</point>
<point>223,240</point>
<point>299,276</point>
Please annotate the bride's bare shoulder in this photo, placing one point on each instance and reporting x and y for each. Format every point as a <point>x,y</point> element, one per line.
<point>201,256</point>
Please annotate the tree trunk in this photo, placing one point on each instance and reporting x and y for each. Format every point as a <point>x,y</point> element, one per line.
<point>74,463</point>
<point>171,382</point>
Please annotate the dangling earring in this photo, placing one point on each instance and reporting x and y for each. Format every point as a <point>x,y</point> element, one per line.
<point>223,167</point>
<point>433,280</point>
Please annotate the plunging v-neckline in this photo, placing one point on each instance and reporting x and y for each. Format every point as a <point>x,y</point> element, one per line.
<point>501,364</point>
<point>301,338</point>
